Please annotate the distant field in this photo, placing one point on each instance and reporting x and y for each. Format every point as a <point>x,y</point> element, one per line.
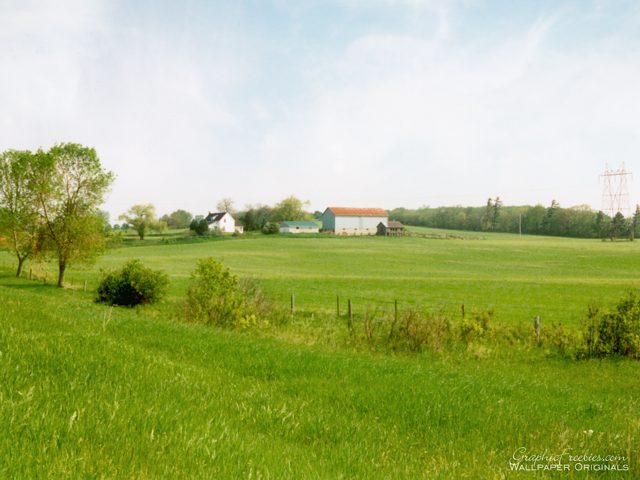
<point>517,277</point>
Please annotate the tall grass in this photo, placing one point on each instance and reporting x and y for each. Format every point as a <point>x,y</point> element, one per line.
<point>91,391</point>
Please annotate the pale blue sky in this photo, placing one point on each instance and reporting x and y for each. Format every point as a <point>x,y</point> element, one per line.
<point>379,103</point>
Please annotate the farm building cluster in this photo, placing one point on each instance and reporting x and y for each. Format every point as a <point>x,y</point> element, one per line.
<point>335,220</point>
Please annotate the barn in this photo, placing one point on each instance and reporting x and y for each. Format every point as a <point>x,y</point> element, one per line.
<point>353,221</point>
<point>300,226</point>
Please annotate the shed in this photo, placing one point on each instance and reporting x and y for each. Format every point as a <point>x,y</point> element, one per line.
<point>392,229</point>
<point>353,221</point>
<point>299,226</point>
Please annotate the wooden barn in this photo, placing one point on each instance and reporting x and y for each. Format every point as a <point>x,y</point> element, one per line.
<point>392,229</point>
<point>353,221</point>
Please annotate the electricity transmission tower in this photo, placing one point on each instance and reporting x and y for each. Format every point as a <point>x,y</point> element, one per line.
<point>615,193</point>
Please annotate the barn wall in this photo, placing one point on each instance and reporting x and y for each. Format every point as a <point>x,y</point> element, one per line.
<point>328,220</point>
<point>358,225</point>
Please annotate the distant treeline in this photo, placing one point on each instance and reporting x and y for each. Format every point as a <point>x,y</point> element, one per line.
<point>580,221</point>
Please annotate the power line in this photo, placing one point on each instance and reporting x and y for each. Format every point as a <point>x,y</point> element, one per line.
<point>615,192</point>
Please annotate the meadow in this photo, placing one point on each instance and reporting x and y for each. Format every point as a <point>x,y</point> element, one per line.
<point>92,391</point>
<point>516,277</point>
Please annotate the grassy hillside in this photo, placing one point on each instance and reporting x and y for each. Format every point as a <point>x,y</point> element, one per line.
<point>518,277</point>
<point>89,392</point>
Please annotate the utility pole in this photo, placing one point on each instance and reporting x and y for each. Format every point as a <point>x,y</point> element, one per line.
<point>520,224</point>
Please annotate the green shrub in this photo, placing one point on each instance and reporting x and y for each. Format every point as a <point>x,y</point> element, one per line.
<point>270,228</point>
<point>217,297</point>
<point>615,331</point>
<point>476,327</point>
<point>133,284</point>
<point>416,332</point>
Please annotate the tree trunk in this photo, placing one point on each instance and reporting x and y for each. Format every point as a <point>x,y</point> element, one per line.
<point>20,265</point>
<point>61,268</point>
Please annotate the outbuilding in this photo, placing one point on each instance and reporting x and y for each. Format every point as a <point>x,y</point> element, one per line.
<point>299,226</point>
<point>353,221</point>
<point>392,229</point>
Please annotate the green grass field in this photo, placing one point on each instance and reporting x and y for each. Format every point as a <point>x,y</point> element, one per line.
<point>92,392</point>
<point>517,277</point>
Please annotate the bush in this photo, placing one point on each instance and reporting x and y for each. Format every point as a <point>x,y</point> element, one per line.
<point>270,228</point>
<point>216,297</point>
<point>476,327</point>
<point>416,332</point>
<point>613,332</point>
<point>133,284</point>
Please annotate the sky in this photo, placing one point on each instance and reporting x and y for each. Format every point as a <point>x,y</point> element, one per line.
<point>360,103</point>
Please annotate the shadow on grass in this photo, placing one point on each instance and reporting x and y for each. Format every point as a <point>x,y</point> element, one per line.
<point>11,281</point>
<point>21,285</point>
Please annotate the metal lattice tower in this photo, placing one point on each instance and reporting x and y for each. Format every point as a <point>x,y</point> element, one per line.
<point>615,193</point>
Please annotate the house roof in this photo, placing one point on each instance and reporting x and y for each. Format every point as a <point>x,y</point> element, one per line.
<point>358,212</point>
<point>300,224</point>
<point>214,217</point>
<point>394,224</point>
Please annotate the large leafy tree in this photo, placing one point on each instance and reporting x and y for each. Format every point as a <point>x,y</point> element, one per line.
<point>178,219</point>
<point>71,184</point>
<point>291,208</point>
<point>20,223</point>
<point>142,218</point>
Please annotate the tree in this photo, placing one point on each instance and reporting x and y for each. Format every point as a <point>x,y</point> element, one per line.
<point>619,226</point>
<point>291,208</point>
<point>141,217</point>
<point>249,220</point>
<point>70,185</point>
<point>199,225</point>
<point>602,225</point>
<point>20,223</point>
<point>635,223</point>
<point>495,213</point>
<point>488,215</point>
<point>550,221</point>
<point>178,219</point>
<point>226,205</point>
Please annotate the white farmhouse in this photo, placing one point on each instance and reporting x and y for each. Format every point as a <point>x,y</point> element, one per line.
<point>221,221</point>
<point>353,221</point>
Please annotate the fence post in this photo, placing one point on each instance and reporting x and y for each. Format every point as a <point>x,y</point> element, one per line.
<point>293,303</point>
<point>338,306</point>
<point>536,323</point>
<point>395,316</point>
<point>30,273</point>
<point>462,308</point>
<point>85,286</point>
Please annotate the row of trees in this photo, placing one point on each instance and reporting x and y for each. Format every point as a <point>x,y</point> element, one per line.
<point>580,221</point>
<point>142,217</point>
<point>49,204</point>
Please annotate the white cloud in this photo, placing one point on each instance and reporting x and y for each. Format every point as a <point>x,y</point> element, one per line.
<point>386,117</point>
<point>399,118</point>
